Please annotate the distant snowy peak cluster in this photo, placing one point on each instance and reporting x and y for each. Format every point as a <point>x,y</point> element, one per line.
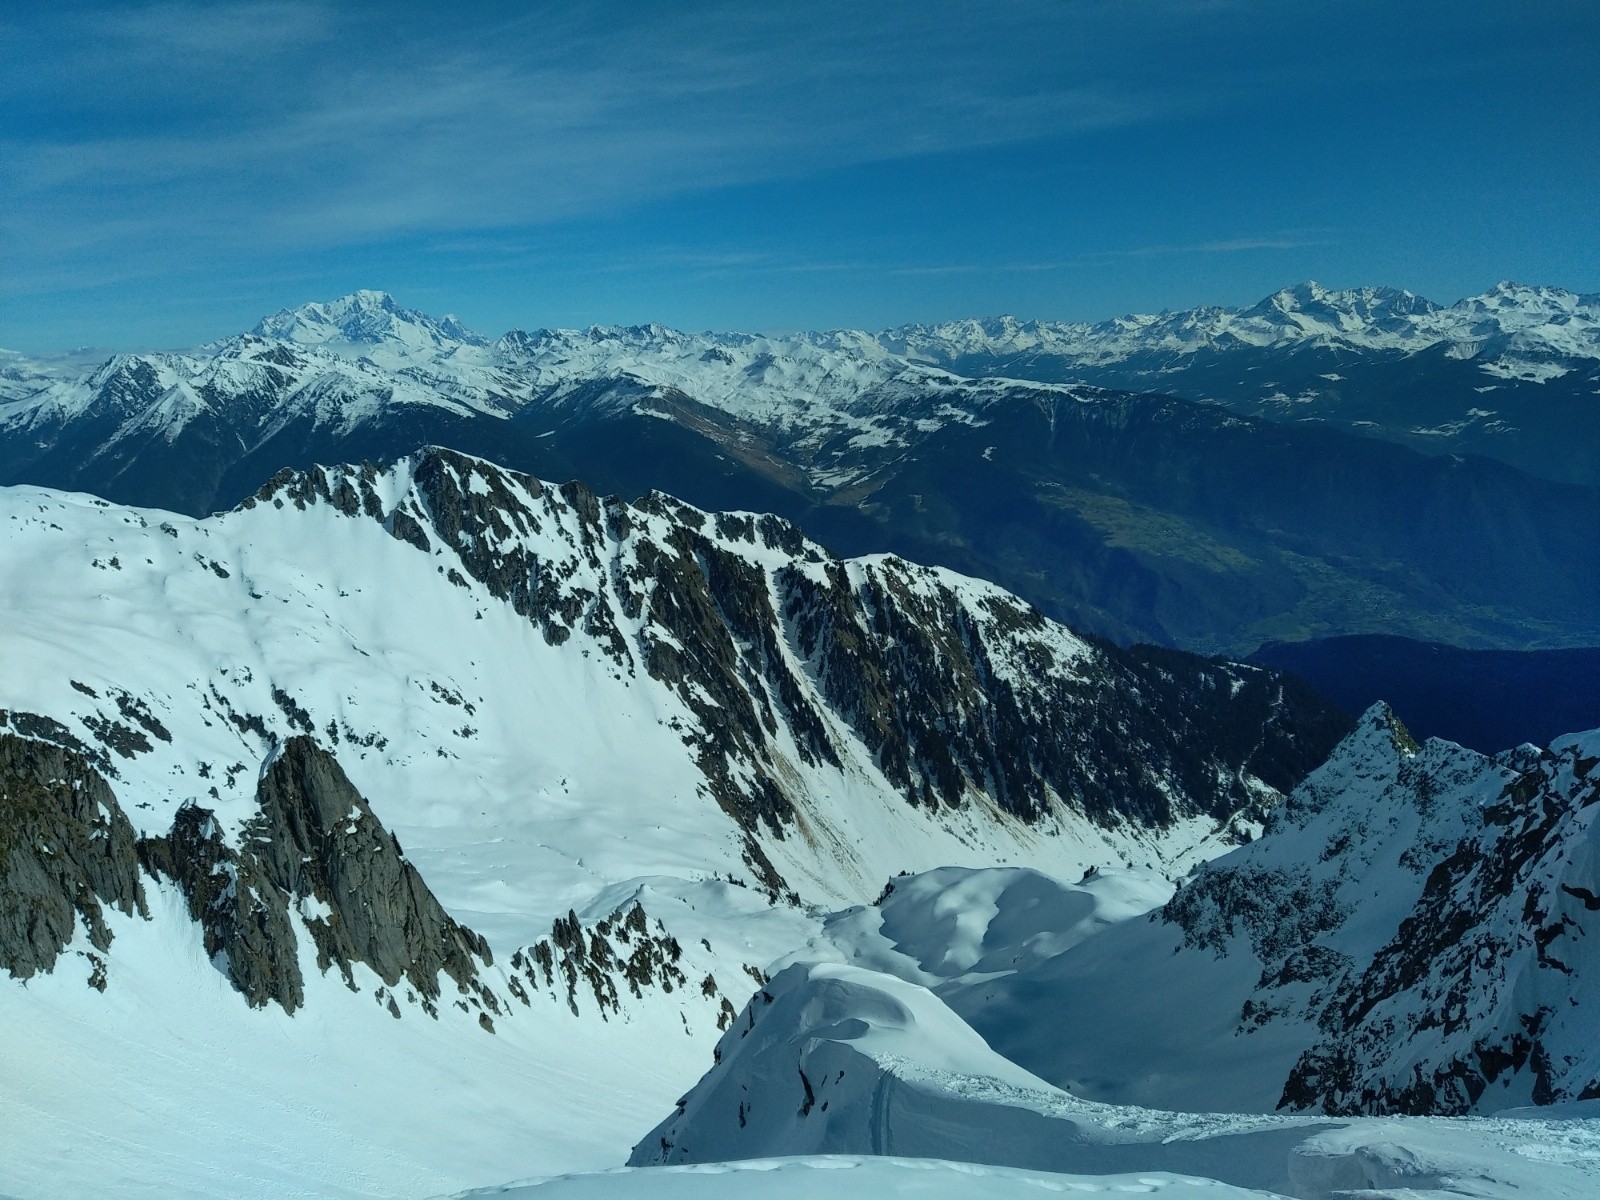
<point>363,359</point>
<point>1509,318</point>
<point>1068,483</point>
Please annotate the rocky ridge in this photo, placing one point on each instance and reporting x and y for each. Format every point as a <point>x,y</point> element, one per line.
<point>314,868</point>
<point>1489,981</point>
<point>314,859</point>
<point>778,648</point>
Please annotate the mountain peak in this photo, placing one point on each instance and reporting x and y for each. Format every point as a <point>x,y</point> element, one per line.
<point>367,318</point>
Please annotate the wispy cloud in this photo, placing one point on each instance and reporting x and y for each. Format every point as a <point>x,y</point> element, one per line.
<point>1291,240</point>
<point>224,128</point>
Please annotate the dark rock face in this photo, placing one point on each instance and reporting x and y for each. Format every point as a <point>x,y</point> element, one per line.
<point>316,849</point>
<point>67,851</point>
<point>243,917</point>
<point>1485,981</point>
<point>317,839</point>
<point>621,948</point>
<point>956,689</point>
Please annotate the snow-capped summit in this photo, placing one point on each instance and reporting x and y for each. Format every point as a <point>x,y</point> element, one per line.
<point>368,320</point>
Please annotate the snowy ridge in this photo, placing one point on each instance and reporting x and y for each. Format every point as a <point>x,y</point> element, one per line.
<point>360,360</point>
<point>325,371</point>
<point>833,1059</point>
<point>1487,991</point>
<point>722,637</point>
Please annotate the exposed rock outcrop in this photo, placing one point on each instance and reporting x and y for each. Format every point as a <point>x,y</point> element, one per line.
<point>67,852</point>
<point>316,850</point>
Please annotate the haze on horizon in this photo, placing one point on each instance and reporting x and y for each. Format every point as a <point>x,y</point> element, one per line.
<point>177,170</point>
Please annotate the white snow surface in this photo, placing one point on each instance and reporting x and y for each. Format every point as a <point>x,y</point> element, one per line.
<point>831,1059</point>
<point>856,1177</point>
<point>1343,861</point>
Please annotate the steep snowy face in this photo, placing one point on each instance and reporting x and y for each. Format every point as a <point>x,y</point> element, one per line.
<point>607,736</point>
<point>1486,996</point>
<point>1208,1003</point>
<point>1407,935</point>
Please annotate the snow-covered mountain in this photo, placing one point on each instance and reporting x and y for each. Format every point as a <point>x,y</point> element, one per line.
<point>1135,517</point>
<point>1508,320</point>
<point>436,789</point>
<point>489,781</point>
<point>369,324</point>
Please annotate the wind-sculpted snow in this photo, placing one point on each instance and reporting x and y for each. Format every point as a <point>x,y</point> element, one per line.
<point>837,1060</point>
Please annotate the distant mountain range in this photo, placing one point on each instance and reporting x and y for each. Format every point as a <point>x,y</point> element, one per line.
<point>1138,516</point>
<point>1512,374</point>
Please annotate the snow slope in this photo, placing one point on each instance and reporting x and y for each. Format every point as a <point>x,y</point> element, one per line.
<point>799,1178</point>
<point>838,1060</point>
<point>1410,934</point>
<point>468,615</point>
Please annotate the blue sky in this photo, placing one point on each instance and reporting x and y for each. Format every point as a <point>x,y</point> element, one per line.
<point>171,172</point>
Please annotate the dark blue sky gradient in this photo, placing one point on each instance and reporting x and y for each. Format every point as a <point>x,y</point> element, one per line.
<point>174,171</point>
